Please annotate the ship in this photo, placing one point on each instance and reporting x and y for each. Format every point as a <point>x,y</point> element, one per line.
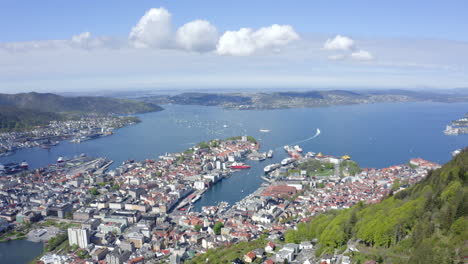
<point>196,198</point>
<point>236,165</point>
<point>24,165</point>
<point>270,154</point>
<point>60,160</point>
<point>271,167</point>
<point>264,130</point>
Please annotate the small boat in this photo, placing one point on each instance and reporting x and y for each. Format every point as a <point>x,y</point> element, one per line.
<point>264,130</point>
<point>270,154</point>
<point>60,160</point>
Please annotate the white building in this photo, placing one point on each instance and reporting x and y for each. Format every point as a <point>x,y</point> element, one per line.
<point>78,236</point>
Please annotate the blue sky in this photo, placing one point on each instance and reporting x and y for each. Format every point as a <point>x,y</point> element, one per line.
<point>116,46</point>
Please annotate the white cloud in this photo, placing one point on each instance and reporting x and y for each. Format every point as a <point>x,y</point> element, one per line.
<point>154,30</point>
<point>197,35</point>
<point>362,55</point>
<point>246,41</point>
<point>339,43</point>
<point>81,41</point>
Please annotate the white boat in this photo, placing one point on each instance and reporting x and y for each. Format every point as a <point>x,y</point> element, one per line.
<point>287,161</point>
<point>271,167</point>
<point>264,130</point>
<point>270,154</point>
<point>297,148</point>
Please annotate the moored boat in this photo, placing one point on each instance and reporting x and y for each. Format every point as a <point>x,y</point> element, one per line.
<point>236,165</point>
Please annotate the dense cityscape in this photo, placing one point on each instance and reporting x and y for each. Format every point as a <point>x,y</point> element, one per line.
<point>141,212</point>
<point>76,131</point>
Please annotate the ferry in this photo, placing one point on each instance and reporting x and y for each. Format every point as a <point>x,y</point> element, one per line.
<point>236,165</point>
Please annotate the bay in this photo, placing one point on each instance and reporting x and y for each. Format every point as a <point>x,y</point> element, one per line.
<point>374,135</point>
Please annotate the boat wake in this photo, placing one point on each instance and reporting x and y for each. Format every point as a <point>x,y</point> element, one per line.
<point>307,139</point>
<point>317,133</point>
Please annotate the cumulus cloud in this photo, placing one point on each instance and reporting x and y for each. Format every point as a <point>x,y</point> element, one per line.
<point>362,55</point>
<point>197,35</point>
<point>154,30</point>
<point>347,49</point>
<point>339,43</point>
<point>246,41</point>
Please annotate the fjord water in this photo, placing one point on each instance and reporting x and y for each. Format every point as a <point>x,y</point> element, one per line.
<point>374,135</point>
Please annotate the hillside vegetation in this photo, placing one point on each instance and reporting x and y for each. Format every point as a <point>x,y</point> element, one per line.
<point>426,223</point>
<point>23,111</point>
<point>47,102</point>
<point>16,119</point>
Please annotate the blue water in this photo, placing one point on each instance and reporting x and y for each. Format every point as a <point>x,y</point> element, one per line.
<point>375,135</point>
<point>19,251</point>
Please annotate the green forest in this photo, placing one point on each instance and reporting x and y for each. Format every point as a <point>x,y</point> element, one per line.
<point>19,112</point>
<point>15,119</point>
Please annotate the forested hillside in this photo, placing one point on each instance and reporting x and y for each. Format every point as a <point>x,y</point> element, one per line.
<point>16,119</point>
<point>47,102</point>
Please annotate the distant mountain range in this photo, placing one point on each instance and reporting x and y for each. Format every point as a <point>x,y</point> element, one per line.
<point>278,100</point>
<point>24,110</point>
